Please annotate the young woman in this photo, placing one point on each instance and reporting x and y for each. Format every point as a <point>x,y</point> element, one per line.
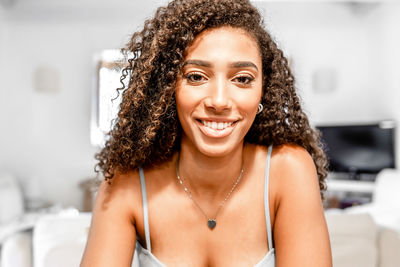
<point>212,161</point>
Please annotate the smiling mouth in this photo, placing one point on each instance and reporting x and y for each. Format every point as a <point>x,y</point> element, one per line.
<point>217,125</point>
<point>216,128</point>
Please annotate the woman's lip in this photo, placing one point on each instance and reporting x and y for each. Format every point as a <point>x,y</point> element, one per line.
<point>214,133</point>
<point>217,120</point>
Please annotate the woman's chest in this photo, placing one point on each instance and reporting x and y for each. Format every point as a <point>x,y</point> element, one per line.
<point>180,236</point>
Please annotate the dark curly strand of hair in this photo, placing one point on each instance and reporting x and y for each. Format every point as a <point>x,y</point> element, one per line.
<point>147,130</point>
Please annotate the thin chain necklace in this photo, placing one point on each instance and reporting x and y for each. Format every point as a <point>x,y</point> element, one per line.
<point>211,222</point>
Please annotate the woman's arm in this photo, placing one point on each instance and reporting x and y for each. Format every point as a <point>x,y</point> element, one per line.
<point>300,231</point>
<point>112,235</point>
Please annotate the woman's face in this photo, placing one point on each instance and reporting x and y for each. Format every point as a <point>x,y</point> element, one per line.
<point>218,95</point>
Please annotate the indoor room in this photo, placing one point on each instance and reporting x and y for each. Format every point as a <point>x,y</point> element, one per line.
<point>60,66</point>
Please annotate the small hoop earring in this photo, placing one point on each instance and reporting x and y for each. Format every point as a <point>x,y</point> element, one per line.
<point>260,108</point>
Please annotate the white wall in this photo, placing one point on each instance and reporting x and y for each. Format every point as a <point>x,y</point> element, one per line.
<point>359,42</point>
<point>45,136</point>
<point>342,38</point>
<point>3,36</point>
<point>391,68</point>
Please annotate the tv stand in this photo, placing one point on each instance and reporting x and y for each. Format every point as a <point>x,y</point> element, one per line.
<point>351,176</point>
<point>347,191</point>
<point>350,186</point>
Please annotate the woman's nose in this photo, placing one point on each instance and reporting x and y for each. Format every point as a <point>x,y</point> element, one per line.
<point>218,98</point>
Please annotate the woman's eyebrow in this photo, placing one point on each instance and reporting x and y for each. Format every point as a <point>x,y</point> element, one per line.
<point>198,62</point>
<point>243,64</point>
<point>207,64</point>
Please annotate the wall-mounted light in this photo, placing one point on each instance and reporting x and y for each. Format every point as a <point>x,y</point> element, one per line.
<point>7,3</point>
<point>324,80</point>
<point>46,80</point>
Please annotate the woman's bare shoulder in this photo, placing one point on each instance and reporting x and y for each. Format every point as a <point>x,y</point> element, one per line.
<point>121,192</point>
<point>291,153</point>
<point>295,168</point>
<point>292,169</point>
<point>121,182</point>
<point>112,234</point>
<point>284,154</point>
<point>297,199</point>
<point>293,159</point>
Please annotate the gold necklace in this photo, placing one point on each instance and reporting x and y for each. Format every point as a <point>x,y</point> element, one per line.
<point>211,222</point>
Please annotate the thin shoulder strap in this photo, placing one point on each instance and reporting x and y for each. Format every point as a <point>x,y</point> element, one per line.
<point>145,210</point>
<point>266,198</point>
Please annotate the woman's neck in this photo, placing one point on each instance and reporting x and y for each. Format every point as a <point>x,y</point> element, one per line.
<point>209,177</point>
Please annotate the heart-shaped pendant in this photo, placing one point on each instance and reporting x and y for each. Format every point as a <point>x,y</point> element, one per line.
<point>211,223</point>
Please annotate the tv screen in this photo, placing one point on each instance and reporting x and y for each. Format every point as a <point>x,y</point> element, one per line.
<point>358,149</point>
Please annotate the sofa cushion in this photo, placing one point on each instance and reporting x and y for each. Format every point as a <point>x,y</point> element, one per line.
<point>16,251</point>
<point>353,239</point>
<point>11,199</point>
<point>389,248</point>
<point>59,240</point>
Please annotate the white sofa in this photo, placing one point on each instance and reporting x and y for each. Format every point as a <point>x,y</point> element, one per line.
<point>56,241</point>
<point>385,205</point>
<point>53,236</point>
<point>11,198</point>
<point>369,235</point>
<point>356,240</point>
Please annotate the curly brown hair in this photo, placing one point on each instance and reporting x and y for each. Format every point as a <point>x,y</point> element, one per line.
<point>147,131</point>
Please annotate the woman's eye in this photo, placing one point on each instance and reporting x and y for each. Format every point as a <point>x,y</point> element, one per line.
<point>243,79</point>
<point>195,77</point>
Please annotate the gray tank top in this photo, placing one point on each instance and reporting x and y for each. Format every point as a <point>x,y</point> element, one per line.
<point>144,258</point>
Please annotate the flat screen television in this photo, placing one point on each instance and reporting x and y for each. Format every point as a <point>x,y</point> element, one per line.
<point>359,149</point>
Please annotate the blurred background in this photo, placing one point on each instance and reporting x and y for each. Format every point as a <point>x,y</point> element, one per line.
<point>345,56</point>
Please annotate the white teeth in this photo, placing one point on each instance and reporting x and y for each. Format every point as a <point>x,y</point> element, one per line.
<point>216,125</point>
